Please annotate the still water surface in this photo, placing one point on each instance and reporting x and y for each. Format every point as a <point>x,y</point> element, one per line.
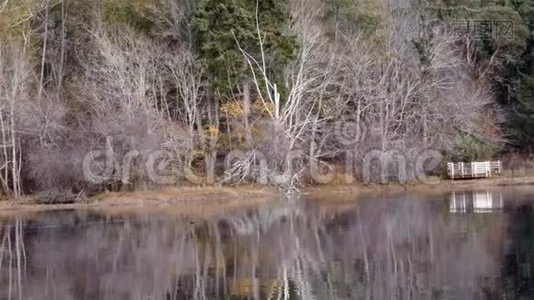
<point>469,245</point>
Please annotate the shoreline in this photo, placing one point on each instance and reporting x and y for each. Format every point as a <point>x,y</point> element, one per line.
<point>431,186</point>
<point>179,200</point>
<point>193,199</point>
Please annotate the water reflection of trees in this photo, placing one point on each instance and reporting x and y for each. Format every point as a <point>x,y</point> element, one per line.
<point>378,250</point>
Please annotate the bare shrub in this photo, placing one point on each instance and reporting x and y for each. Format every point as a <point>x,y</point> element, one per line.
<point>56,196</point>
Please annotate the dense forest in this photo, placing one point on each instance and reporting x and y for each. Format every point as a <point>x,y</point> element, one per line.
<point>131,94</point>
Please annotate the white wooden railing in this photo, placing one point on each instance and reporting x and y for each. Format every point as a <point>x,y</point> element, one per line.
<point>483,169</point>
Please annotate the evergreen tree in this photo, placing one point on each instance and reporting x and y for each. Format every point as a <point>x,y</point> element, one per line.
<point>221,25</point>
<point>523,117</point>
<point>524,113</point>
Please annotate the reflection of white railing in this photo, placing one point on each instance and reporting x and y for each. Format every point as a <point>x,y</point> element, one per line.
<point>475,169</point>
<point>478,202</point>
<point>458,203</point>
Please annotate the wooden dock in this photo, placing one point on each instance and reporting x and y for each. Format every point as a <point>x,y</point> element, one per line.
<point>473,170</point>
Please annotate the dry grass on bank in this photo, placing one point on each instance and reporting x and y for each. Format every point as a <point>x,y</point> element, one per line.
<point>170,199</point>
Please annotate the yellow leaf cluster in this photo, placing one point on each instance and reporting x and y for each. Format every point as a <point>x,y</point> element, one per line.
<point>264,108</point>
<point>124,11</point>
<point>212,131</point>
<point>233,109</point>
<point>15,19</point>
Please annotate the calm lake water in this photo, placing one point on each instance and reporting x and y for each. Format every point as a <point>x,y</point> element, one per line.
<point>469,245</point>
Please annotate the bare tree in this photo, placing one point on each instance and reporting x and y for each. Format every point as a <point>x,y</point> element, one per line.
<point>14,94</point>
<point>294,119</point>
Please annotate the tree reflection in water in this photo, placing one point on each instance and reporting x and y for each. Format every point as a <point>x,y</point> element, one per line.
<point>375,249</point>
